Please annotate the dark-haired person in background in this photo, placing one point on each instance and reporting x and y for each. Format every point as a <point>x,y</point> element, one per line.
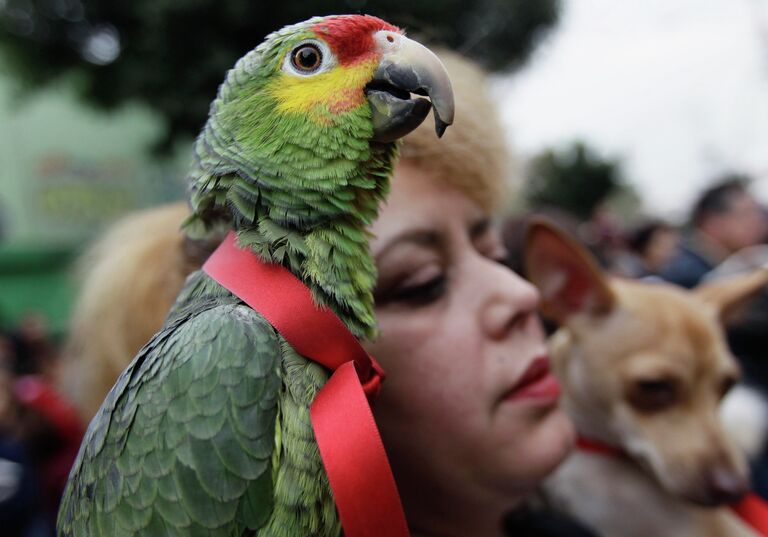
<point>725,219</point>
<point>652,244</point>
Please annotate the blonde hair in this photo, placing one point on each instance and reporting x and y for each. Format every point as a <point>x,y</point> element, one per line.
<point>130,278</point>
<point>472,155</point>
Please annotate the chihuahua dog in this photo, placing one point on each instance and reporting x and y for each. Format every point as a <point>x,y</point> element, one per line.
<point>644,367</point>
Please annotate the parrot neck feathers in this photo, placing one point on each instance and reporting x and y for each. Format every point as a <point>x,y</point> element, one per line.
<point>332,260</point>
<point>320,236</point>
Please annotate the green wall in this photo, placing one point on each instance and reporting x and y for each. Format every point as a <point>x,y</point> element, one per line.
<point>67,172</point>
<point>36,279</point>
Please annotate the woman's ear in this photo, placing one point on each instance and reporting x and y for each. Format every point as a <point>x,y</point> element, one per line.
<point>566,275</point>
<point>728,295</point>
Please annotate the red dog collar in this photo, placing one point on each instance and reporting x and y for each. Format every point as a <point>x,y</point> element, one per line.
<point>752,509</point>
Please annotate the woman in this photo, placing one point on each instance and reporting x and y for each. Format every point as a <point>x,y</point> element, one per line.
<point>460,340</point>
<point>468,413</point>
<point>466,360</point>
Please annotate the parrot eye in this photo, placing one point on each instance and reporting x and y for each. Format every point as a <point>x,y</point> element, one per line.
<point>306,58</point>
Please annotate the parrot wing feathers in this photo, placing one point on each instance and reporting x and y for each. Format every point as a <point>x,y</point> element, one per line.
<point>183,444</point>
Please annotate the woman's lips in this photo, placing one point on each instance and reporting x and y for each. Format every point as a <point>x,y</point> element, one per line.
<point>537,383</point>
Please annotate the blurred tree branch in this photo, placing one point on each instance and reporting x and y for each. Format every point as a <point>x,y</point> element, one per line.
<point>172,54</point>
<point>575,179</point>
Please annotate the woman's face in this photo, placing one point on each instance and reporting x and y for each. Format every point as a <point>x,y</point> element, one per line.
<point>459,333</point>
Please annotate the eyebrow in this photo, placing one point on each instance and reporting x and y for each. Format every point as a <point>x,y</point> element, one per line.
<point>422,237</point>
<point>431,238</point>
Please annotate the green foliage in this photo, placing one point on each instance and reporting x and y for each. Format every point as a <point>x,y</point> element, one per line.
<point>172,54</point>
<point>575,179</point>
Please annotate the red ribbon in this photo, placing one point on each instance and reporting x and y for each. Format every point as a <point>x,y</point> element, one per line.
<point>752,509</point>
<point>353,455</point>
<point>597,446</point>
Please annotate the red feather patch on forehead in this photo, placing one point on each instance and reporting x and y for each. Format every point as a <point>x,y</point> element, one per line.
<point>351,36</point>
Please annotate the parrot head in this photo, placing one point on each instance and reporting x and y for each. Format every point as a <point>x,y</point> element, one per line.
<point>314,108</point>
<point>327,67</point>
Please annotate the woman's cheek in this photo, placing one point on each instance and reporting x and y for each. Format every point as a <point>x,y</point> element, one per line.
<point>400,336</point>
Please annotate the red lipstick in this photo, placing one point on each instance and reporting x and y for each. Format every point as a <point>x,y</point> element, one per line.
<point>536,383</point>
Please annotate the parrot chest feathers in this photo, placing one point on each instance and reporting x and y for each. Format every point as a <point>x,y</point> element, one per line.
<point>206,432</point>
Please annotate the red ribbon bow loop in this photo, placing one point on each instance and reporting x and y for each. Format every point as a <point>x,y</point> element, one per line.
<point>348,440</point>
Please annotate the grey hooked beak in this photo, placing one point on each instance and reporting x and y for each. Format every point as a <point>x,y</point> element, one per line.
<point>407,67</point>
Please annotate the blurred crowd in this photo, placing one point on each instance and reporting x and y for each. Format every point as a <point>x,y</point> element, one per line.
<point>40,431</point>
<point>726,233</point>
<point>726,226</point>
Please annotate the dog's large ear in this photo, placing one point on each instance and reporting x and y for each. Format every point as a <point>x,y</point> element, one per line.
<point>729,294</point>
<point>566,275</point>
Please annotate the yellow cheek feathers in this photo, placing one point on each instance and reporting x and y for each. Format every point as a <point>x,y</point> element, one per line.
<point>337,90</point>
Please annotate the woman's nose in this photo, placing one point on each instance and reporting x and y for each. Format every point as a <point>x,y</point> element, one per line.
<point>509,301</point>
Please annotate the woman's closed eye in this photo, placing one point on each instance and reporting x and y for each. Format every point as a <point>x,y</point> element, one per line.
<point>419,288</point>
<point>420,294</point>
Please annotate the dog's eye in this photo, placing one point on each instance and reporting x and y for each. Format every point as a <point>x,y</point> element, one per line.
<point>653,395</point>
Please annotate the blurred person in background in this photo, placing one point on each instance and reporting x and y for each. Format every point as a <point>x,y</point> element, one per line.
<point>651,246</point>
<point>51,430</point>
<point>21,511</point>
<point>40,432</point>
<point>725,219</point>
<point>34,350</point>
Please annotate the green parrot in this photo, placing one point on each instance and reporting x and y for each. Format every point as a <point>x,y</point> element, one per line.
<point>207,431</point>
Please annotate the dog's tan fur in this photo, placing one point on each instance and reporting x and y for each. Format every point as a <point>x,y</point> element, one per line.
<point>644,367</point>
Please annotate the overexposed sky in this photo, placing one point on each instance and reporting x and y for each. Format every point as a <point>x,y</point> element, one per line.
<point>677,90</point>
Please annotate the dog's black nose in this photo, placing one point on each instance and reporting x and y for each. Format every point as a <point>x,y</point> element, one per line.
<point>726,486</point>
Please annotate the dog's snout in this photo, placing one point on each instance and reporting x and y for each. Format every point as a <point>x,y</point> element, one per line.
<point>726,486</point>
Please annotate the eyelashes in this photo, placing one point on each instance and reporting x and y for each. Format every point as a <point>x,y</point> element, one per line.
<point>422,294</point>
